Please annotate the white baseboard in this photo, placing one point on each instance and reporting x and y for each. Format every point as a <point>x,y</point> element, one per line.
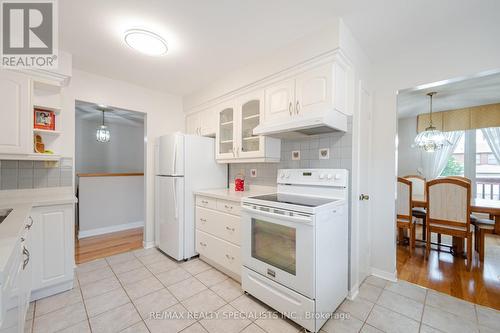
<point>107,230</point>
<point>148,245</point>
<point>353,293</point>
<point>391,276</point>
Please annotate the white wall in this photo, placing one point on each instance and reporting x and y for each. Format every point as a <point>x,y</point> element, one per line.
<point>163,115</point>
<point>409,158</point>
<point>303,48</point>
<point>398,72</point>
<point>108,204</point>
<point>124,152</point>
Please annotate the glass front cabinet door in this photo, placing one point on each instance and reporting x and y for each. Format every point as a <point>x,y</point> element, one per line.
<point>249,111</point>
<point>235,139</point>
<point>226,129</point>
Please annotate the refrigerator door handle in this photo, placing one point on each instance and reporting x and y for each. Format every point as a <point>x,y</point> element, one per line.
<point>174,160</point>
<point>176,209</point>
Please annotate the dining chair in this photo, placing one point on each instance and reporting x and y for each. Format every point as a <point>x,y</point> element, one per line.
<point>418,187</point>
<point>448,211</point>
<point>482,226</point>
<point>404,217</point>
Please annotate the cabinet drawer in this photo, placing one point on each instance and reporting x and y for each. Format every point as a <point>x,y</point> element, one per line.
<point>206,202</point>
<point>223,253</point>
<point>231,207</point>
<point>219,224</point>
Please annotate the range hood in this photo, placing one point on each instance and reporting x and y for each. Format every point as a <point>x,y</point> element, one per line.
<point>304,125</point>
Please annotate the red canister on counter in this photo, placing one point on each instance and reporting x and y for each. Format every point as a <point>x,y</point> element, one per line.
<point>239,182</point>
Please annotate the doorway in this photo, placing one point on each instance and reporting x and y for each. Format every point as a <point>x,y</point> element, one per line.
<point>467,113</point>
<point>110,185</point>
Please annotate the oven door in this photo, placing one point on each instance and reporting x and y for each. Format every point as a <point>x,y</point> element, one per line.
<point>280,246</point>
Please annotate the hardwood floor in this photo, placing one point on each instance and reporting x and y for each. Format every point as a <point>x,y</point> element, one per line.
<point>446,273</point>
<point>96,247</point>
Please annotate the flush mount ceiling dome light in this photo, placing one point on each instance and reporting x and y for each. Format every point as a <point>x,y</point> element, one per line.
<point>146,42</point>
<point>431,139</point>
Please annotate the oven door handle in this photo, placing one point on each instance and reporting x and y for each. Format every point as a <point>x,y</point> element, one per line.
<point>288,218</point>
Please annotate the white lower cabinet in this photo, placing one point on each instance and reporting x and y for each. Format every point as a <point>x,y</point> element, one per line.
<point>16,288</point>
<point>53,249</point>
<point>40,265</point>
<point>218,235</point>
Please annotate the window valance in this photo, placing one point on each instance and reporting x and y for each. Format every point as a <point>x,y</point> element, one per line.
<point>475,117</point>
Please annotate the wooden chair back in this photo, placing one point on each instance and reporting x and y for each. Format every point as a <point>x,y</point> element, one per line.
<point>448,207</point>
<point>418,183</point>
<point>403,202</point>
<point>465,179</point>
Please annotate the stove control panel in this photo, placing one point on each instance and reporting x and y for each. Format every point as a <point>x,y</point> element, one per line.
<point>323,177</point>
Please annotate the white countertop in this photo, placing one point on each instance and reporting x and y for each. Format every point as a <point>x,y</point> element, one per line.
<point>231,195</point>
<point>21,202</point>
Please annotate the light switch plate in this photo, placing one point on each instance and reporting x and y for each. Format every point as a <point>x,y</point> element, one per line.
<point>295,155</point>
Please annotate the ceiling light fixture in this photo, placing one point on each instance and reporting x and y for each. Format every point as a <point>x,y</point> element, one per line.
<point>431,139</point>
<point>102,133</point>
<point>146,42</point>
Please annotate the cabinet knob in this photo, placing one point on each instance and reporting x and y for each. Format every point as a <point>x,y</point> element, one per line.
<point>228,207</point>
<point>297,107</point>
<point>290,108</point>
<point>229,257</point>
<point>229,229</point>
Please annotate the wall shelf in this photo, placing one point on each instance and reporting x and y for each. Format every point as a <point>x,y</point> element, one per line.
<point>48,132</point>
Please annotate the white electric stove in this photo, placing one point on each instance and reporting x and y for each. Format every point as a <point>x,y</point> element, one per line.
<point>295,245</point>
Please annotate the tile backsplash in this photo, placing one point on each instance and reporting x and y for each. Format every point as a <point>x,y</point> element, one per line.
<point>35,174</point>
<point>338,145</point>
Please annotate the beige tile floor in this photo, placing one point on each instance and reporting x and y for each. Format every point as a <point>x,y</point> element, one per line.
<point>119,293</point>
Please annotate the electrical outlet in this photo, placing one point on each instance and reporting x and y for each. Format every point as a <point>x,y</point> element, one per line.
<point>253,173</point>
<point>296,155</point>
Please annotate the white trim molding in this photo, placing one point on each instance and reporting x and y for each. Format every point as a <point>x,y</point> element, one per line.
<point>335,54</point>
<point>391,276</point>
<point>107,230</point>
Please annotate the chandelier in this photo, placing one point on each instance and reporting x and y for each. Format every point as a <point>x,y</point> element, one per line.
<point>431,139</point>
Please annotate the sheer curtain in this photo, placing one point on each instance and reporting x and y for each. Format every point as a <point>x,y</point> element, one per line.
<point>434,163</point>
<point>492,136</point>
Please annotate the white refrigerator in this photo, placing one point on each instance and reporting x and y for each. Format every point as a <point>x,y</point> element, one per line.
<point>184,164</point>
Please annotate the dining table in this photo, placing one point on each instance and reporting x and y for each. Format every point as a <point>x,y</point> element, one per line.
<point>478,205</point>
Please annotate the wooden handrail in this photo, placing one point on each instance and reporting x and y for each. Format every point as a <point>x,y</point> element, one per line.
<point>126,174</point>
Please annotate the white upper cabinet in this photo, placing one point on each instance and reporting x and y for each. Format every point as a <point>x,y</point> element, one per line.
<point>193,124</point>
<point>235,139</point>
<point>226,136</point>
<point>202,123</point>
<point>311,93</point>
<point>280,99</point>
<point>15,121</point>
<point>208,122</point>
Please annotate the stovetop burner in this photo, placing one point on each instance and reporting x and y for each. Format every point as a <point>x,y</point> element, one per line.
<point>298,200</point>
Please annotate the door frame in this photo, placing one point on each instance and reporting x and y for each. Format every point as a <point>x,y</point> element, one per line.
<point>356,273</point>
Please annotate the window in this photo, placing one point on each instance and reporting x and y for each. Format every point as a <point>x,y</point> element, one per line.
<point>492,160</point>
<point>487,172</point>
<point>456,162</point>
<point>474,159</point>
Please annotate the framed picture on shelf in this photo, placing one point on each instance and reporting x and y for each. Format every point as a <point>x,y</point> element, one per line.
<point>44,119</point>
